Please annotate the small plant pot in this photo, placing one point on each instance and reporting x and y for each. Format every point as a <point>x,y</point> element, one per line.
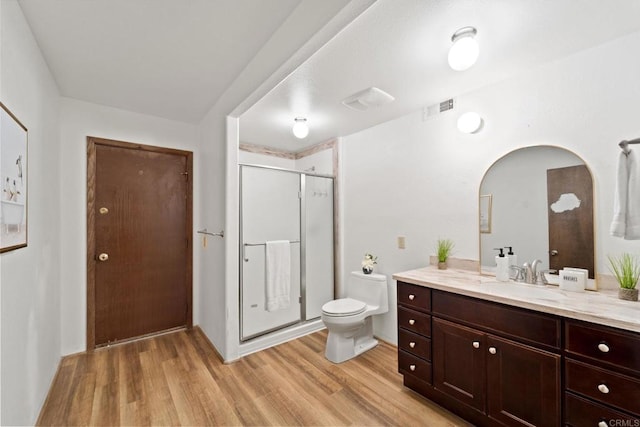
<point>628,294</point>
<point>442,265</point>
<point>367,270</point>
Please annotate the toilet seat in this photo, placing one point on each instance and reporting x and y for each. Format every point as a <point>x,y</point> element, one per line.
<point>343,307</point>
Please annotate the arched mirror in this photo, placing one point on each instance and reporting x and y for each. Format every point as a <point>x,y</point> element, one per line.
<point>538,200</point>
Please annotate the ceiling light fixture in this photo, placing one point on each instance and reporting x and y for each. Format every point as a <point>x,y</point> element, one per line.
<point>469,122</point>
<point>300,128</point>
<point>465,50</point>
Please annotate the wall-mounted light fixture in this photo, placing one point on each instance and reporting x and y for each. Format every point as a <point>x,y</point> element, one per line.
<point>300,128</point>
<point>469,122</point>
<point>465,50</point>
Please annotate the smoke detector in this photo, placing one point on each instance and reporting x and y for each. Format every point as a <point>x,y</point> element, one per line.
<point>368,98</point>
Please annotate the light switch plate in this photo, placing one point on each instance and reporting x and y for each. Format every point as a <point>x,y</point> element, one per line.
<point>401,243</point>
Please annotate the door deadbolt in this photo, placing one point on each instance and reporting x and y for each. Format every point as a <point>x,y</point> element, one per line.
<point>103,257</point>
<point>104,211</point>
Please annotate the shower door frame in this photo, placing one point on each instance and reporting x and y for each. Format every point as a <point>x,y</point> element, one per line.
<point>303,241</point>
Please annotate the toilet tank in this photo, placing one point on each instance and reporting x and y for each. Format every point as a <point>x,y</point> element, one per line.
<point>370,289</point>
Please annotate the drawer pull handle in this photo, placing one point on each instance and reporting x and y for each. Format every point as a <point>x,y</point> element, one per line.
<point>603,389</point>
<point>603,347</point>
<point>412,297</point>
<point>412,367</point>
<point>492,350</point>
<point>411,321</point>
<point>476,344</point>
<point>412,344</point>
<point>603,424</point>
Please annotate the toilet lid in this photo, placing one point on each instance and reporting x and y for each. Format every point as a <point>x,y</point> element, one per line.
<point>343,307</point>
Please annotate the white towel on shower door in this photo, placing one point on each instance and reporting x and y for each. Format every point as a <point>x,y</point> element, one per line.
<point>626,207</point>
<point>278,272</point>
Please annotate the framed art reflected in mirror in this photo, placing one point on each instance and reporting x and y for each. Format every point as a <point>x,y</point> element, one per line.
<point>13,173</point>
<point>485,213</point>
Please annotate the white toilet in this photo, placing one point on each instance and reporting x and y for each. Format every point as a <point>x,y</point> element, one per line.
<point>349,319</point>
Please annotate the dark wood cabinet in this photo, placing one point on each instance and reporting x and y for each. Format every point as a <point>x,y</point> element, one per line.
<point>459,361</point>
<point>602,375</point>
<point>489,363</point>
<point>523,384</point>
<point>495,364</point>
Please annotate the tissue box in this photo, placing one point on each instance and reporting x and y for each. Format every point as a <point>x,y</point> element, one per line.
<point>589,284</point>
<point>571,280</point>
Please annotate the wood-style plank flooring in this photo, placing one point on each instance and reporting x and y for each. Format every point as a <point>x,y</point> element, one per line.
<point>178,379</point>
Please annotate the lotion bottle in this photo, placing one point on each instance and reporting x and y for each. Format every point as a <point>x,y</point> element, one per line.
<point>513,259</point>
<point>502,266</point>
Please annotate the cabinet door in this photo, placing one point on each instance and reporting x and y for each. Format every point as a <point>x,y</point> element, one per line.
<point>523,384</point>
<point>459,362</point>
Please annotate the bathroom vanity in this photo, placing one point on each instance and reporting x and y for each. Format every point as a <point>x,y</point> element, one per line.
<point>513,354</point>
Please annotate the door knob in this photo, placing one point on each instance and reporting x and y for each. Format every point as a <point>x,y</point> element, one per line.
<point>553,252</point>
<point>412,297</point>
<point>103,257</point>
<point>412,344</point>
<point>411,321</point>
<point>492,350</point>
<point>476,344</point>
<point>412,367</point>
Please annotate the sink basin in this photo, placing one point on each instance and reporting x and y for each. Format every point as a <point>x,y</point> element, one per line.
<point>524,291</point>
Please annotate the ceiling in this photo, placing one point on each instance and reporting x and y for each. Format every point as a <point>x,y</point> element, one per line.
<point>167,58</point>
<point>401,46</point>
<point>176,58</point>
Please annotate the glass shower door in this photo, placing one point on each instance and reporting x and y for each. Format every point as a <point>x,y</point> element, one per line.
<point>270,210</point>
<point>317,249</point>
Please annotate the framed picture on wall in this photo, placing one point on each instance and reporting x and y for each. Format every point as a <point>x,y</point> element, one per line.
<point>13,173</point>
<point>485,213</point>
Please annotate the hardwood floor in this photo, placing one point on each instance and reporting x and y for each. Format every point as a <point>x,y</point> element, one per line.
<point>178,379</point>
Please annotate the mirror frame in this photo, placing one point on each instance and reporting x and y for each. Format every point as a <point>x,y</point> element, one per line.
<point>595,258</point>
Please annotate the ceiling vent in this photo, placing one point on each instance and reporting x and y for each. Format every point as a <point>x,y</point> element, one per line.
<point>368,98</point>
<point>435,110</point>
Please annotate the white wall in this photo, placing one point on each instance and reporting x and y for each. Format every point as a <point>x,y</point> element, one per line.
<point>78,120</point>
<point>421,179</point>
<point>30,314</point>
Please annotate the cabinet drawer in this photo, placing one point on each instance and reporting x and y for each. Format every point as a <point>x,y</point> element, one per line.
<point>414,296</point>
<point>605,386</point>
<point>414,344</point>
<point>412,365</point>
<point>414,321</point>
<point>517,323</point>
<point>581,412</point>
<point>607,345</point>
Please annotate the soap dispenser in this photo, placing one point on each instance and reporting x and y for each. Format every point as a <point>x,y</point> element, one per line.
<point>502,266</point>
<point>513,258</point>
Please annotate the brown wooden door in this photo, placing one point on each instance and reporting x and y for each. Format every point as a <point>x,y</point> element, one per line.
<point>459,362</point>
<point>570,226</point>
<point>141,255</point>
<point>523,384</point>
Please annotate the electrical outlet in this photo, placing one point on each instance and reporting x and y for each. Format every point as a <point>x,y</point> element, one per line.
<point>401,242</point>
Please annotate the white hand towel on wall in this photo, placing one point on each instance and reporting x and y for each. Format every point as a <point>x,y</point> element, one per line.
<point>278,271</point>
<point>626,205</point>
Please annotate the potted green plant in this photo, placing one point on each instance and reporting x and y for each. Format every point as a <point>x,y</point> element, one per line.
<point>445,246</point>
<point>368,262</point>
<point>626,269</point>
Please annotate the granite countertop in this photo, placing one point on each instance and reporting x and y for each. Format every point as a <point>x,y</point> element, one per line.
<point>602,307</point>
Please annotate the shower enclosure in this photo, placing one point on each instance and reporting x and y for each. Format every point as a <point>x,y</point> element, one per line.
<point>280,204</point>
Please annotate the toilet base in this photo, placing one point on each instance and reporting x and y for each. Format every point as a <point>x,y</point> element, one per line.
<point>343,346</point>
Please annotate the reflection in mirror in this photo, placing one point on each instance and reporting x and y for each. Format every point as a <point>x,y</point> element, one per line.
<point>541,204</point>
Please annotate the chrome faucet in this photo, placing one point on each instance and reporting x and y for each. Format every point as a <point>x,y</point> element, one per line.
<point>530,271</point>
